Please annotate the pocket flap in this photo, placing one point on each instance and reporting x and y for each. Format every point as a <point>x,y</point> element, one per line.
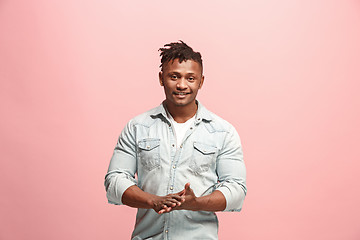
<point>149,143</point>
<point>204,148</point>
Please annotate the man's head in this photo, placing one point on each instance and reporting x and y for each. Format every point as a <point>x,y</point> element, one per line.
<point>181,73</point>
<point>178,50</point>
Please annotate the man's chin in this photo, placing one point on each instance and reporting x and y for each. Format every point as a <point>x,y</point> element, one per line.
<point>180,103</point>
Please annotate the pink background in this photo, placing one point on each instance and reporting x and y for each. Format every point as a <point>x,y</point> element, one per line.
<point>284,73</point>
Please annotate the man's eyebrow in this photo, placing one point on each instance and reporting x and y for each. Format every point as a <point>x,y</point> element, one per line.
<point>179,74</point>
<point>174,72</point>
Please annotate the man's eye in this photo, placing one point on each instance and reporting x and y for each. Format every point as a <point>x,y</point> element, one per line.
<point>173,77</point>
<point>191,79</point>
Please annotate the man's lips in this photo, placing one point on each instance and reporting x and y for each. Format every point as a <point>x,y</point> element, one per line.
<point>181,93</point>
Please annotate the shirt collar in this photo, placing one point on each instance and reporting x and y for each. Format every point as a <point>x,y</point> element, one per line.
<point>201,114</point>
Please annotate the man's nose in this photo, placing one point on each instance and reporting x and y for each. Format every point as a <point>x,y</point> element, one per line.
<point>181,84</point>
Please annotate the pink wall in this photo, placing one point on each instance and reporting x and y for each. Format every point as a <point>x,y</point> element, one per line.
<point>285,73</point>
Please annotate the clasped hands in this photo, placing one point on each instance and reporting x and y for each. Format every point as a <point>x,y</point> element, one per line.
<point>184,199</point>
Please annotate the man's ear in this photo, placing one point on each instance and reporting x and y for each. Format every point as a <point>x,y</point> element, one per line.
<point>161,79</point>
<point>202,81</point>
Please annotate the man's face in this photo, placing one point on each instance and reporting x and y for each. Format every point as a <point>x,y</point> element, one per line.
<point>181,81</point>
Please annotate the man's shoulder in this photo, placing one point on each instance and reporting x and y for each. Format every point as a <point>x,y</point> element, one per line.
<point>146,118</point>
<point>218,123</point>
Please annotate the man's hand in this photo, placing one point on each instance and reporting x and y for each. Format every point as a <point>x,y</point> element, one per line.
<point>190,200</point>
<point>185,199</point>
<point>166,203</point>
<point>213,202</point>
<point>137,198</point>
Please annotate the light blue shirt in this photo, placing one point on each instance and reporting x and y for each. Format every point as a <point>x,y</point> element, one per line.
<point>210,158</point>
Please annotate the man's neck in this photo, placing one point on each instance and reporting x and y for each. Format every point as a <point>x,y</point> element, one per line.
<point>182,113</point>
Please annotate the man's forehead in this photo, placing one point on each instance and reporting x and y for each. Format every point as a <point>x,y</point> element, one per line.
<point>175,64</point>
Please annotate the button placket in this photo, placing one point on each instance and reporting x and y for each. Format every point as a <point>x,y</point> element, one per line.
<point>174,154</point>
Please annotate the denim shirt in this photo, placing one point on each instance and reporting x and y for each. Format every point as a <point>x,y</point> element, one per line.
<point>210,158</point>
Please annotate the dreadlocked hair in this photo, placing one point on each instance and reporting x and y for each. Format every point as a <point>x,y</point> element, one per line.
<point>178,50</point>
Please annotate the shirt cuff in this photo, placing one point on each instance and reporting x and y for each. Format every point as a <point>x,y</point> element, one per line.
<point>234,197</point>
<point>118,185</point>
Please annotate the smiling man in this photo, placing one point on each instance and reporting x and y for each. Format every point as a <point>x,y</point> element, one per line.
<point>188,161</point>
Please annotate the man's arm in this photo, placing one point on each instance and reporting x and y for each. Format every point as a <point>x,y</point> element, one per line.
<point>229,193</point>
<point>231,171</point>
<point>120,180</point>
<point>137,198</point>
<point>213,202</point>
<point>122,167</point>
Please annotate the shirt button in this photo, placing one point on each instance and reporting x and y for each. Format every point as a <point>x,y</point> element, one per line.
<point>147,147</point>
<point>173,145</point>
<point>171,188</point>
<point>181,146</point>
<point>198,119</point>
<point>174,167</point>
<point>191,128</point>
<point>166,231</point>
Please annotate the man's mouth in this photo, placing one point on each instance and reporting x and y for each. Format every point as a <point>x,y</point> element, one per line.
<point>181,93</point>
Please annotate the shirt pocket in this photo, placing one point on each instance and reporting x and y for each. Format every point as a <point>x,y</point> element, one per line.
<point>202,158</point>
<point>149,153</point>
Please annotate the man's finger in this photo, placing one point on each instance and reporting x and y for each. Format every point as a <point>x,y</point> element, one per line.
<point>176,197</point>
<point>165,209</point>
<point>171,203</point>
<point>181,192</point>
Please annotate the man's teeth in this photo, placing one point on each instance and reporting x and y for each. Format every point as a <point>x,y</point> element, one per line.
<point>181,93</point>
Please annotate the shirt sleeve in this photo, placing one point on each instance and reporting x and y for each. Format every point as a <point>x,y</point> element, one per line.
<point>232,172</point>
<point>122,168</point>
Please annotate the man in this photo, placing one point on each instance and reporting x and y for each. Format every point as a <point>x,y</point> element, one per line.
<point>188,161</point>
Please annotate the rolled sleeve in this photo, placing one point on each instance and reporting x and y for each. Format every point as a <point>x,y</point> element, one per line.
<point>232,172</point>
<point>234,195</point>
<point>122,168</point>
<point>116,184</point>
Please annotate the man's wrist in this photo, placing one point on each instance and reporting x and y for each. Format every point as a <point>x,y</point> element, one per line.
<point>199,203</point>
<point>213,202</point>
<point>196,204</point>
<point>150,202</point>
